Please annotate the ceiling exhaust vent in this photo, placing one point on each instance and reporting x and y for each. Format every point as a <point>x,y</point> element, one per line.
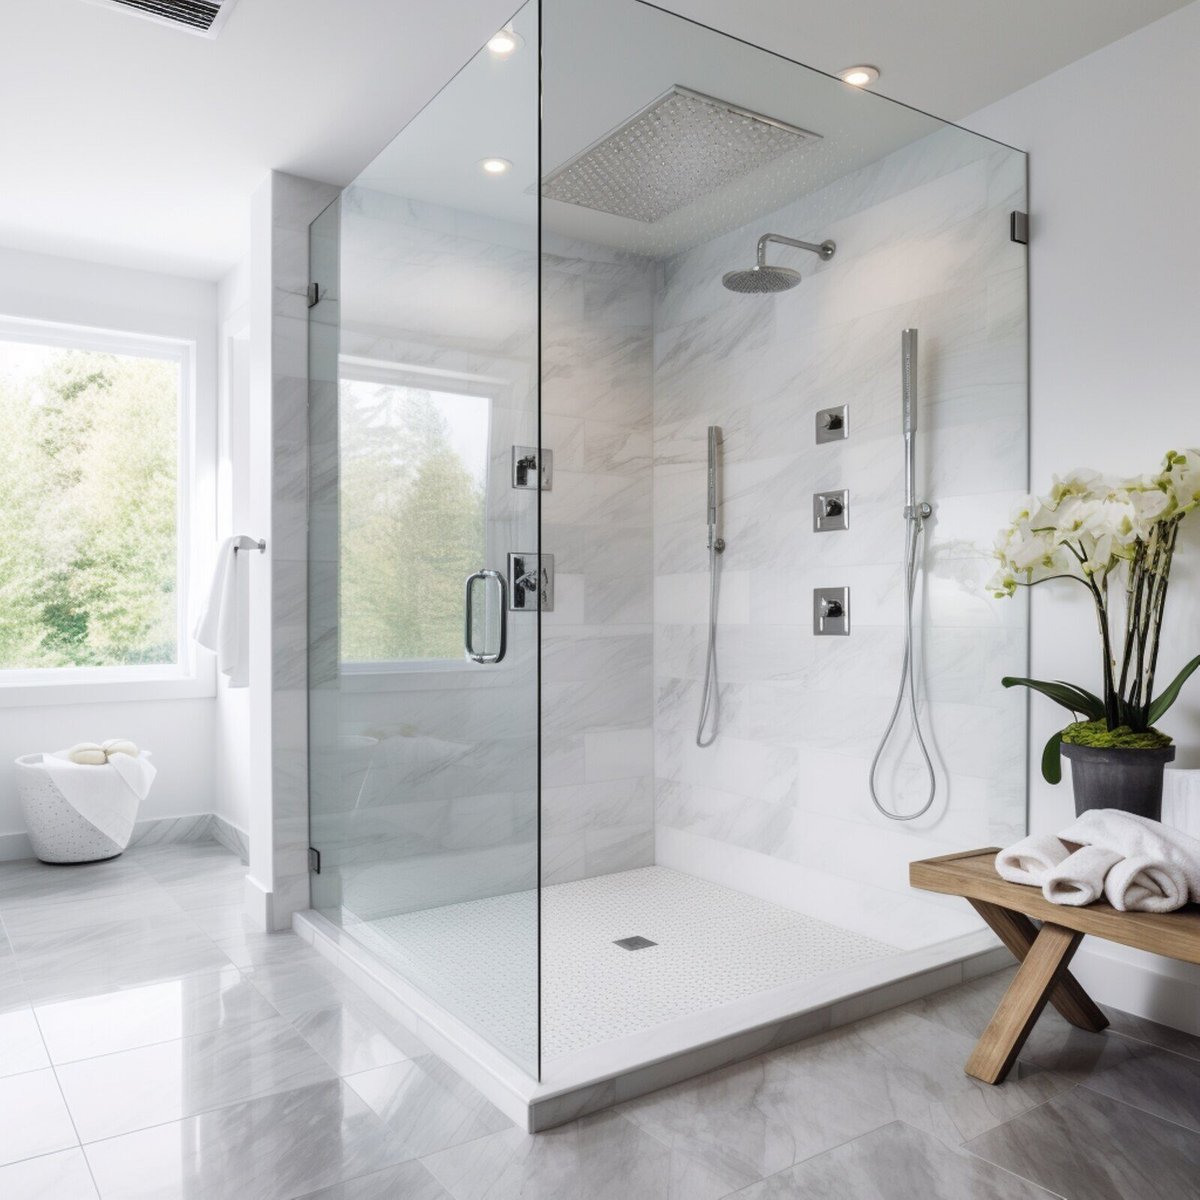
<point>204,17</point>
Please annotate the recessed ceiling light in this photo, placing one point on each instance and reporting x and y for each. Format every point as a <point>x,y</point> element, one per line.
<point>859,76</point>
<point>495,166</point>
<point>503,43</point>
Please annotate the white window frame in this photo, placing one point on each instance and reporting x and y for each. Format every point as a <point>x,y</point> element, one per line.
<point>375,676</point>
<point>186,677</point>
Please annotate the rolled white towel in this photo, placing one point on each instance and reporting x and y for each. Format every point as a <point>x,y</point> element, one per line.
<point>1143,884</point>
<point>1149,842</point>
<point>1079,878</point>
<point>1030,859</point>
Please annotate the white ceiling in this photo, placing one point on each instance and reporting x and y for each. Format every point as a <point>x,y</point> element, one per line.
<point>124,141</point>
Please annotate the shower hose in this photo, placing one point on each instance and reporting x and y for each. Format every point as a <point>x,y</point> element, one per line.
<point>908,685</point>
<point>710,701</point>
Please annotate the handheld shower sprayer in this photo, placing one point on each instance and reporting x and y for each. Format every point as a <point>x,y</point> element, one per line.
<point>908,380</point>
<point>710,703</point>
<point>915,514</point>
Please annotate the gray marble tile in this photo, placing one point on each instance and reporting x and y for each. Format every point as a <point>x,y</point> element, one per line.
<point>29,925</point>
<point>119,1093</point>
<point>29,882</point>
<point>603,1157</point>
<point>967,1008</point>
<point>357,1037</point>
<point>303,985</point>
<point>222,920</point>
<point>914,1069</point>
<point>226,888</point>
<point>892,1162</point>
<point>21,1045</point>
<point>12,986</point>
<point>272,1148</point>
<point>154,1012</point>
<point>248,947</point>
<point>35,1119</point>
<point>1136,1073</point>
<point>1117,1061</point>
<point>1151,1031</point>
<point>188,862</point>
<point>753,1119</point>
<point>1085,1146</point>
<point>426,1106</point>
<point>102,958</point>
<point>61,1176</point>
<point>410,1181</point>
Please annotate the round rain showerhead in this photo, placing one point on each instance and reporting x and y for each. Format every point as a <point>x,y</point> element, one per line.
<point>761,280</point>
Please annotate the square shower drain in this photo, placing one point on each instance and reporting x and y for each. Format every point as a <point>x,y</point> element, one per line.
<point>634,943</point>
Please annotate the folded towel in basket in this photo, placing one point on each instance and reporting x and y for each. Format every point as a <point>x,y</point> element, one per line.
<point>108,796</point>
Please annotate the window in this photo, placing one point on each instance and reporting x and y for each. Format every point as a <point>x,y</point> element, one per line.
<point>90,503</point>
<point>414,465</point>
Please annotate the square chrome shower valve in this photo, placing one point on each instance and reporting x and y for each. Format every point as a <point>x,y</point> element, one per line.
<point>831,511</point>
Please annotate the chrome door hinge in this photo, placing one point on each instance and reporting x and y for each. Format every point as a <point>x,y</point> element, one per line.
<point>314,860</point>
<point>1018,227</point>
<point>314,295</point>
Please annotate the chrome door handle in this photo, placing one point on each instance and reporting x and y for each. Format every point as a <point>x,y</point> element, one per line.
<point>469,618</point>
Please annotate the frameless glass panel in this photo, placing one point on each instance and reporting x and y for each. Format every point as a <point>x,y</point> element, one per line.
<point>423,665</point>
<point>702,386</point>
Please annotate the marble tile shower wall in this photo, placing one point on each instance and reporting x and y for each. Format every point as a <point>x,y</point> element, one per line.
<point>780,803</point>
<point>597,685</point>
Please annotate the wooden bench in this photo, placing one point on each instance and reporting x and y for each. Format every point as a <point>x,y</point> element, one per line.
<point>1045,953</point>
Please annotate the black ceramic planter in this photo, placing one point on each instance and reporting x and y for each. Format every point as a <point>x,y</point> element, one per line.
<point>1130,780</point>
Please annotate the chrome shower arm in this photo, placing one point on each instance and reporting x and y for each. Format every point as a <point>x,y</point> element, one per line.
<point>825,249</point>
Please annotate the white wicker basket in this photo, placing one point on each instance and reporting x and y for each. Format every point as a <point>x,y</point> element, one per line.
<point>59,833</point>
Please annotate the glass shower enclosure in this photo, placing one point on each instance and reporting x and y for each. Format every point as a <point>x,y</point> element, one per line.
<point>588,446</point>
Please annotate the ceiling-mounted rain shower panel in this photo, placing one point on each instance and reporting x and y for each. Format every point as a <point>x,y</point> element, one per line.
<point>203,17</point>
<point>680,147</point>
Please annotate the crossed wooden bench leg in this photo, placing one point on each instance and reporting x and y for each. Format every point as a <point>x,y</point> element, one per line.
<point>1043,976</point>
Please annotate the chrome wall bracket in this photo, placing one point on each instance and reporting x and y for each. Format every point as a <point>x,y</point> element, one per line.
<point>833,424</point>
<point>831,612</point>
<point>831,511</point>
<point>532,468</point>
<point>530,582</point>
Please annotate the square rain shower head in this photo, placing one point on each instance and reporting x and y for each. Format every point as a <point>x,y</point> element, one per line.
<point>679,148</point>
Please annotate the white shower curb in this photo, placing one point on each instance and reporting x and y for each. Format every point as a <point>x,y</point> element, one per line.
<point>595,1078</point>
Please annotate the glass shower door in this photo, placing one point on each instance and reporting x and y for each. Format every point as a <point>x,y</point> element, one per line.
<point>425,581</point>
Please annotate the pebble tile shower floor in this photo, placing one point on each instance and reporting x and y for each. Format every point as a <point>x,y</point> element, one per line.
<point>713,945</point>
<point>153,1047</point>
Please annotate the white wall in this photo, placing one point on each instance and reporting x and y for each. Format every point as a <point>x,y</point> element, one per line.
<point>178,730</point>
<point>232,772</point>
<point>1115,359</point>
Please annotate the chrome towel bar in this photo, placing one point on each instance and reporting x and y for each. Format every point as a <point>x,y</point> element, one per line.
<point>249,543</point>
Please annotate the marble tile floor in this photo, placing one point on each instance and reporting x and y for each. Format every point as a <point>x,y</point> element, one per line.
<point>151,1046</point>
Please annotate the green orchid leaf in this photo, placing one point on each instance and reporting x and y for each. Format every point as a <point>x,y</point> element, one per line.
<point>1052,759</point>
<point>1165,699</point>
<point>1067,694</point>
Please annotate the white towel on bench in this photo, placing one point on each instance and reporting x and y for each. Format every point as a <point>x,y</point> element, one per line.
<point>1139,884</point>
<point>1160,865</point>
<point>1079,878</point>
<point>1031,859</point>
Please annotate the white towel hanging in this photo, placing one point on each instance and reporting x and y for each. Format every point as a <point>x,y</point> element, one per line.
<point>222,624</point>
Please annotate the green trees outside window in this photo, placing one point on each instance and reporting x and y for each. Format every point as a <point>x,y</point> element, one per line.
<point>89,454</point>
<point>413,481</point>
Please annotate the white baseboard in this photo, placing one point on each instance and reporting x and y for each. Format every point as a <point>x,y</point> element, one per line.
<point>1159,989</point>
<point>155,831</point>
<point>259,909</point>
